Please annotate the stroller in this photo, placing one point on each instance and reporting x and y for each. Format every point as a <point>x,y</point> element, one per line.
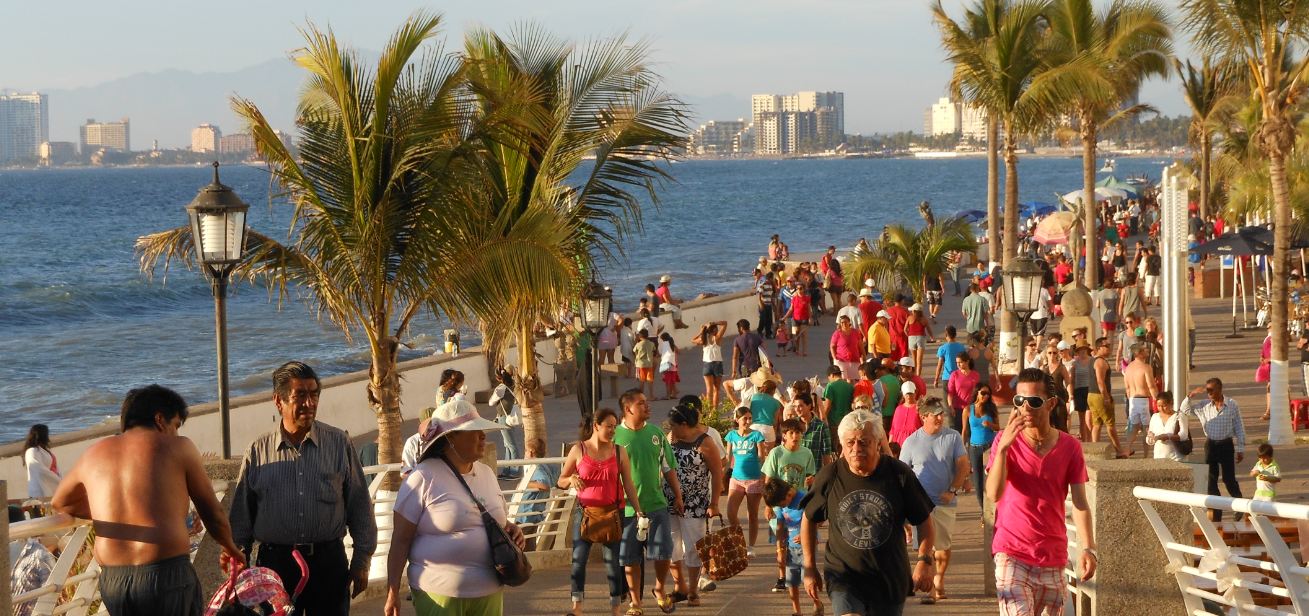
<point>257,591</point>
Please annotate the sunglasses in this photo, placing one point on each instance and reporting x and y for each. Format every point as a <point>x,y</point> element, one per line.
<point>862,408</point>
<point>984,393</point>
<point>1034,402</point>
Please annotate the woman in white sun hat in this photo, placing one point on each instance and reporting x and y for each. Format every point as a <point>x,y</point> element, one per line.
<point>438,527</point>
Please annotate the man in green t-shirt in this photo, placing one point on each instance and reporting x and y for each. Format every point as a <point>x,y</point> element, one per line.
<point>652,463</point>
<point>837,397</point>
<point>886,392</point>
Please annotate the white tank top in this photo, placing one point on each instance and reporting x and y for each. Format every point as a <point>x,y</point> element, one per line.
<point>711,352</point>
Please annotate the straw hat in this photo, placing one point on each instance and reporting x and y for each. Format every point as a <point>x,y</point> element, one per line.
<point>454,416</point>
<point>763,374</point>
<point>665,278</point>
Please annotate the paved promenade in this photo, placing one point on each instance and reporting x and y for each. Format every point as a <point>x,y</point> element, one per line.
<point>1233,360</point>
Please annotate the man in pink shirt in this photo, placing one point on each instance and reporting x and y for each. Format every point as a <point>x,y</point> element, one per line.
<point>1033,467</point>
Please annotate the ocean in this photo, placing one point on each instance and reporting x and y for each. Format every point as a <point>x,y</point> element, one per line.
<point>80,324</point>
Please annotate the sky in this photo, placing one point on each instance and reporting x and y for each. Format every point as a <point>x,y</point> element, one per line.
<point>884,54</point>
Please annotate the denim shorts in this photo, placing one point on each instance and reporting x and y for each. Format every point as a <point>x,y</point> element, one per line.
<point>794,565</point>
<point>713,368</point>
<point>850,600</point>
<point>658,544</point>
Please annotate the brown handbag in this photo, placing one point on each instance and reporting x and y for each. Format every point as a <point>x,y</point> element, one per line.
<point>604,524</point>
<point>723,552</point>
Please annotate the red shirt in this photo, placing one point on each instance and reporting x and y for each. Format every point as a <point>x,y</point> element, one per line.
<point>800,307</point>
<point>1063,272</point>
<point>868,310</point>
<point>899,316</point>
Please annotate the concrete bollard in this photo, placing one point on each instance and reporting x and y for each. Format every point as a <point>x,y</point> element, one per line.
<point>206,558</point>
<point>1131,577</point>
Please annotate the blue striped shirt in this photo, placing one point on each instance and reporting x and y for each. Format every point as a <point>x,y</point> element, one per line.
<point>1218,423</point>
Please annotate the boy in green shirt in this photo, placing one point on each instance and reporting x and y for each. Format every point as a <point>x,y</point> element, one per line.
<point>794,464</point>
<point>837,396</point>
<point>651,457</point>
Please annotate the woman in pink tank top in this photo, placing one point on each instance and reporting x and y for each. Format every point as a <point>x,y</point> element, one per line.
<point>593,469</point>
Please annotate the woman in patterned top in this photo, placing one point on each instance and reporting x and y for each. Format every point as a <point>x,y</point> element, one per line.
<point>700,473</point>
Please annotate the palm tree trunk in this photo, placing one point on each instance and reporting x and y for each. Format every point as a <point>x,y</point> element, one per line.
<point>1206,150</point>
<point>1088,203</point>
<point>1278,385</point>
<point>529,387</point>
<point>1009,351</point>
<point>384,397</point>
<point>993,221</point>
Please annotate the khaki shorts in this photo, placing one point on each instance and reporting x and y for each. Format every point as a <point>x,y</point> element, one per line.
<point>943,521</point>
<point>1101,409</point>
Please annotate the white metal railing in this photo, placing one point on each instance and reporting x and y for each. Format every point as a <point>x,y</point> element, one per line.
<point>72,583</point>
<point>1267,579</point>
<point>1079,594</point>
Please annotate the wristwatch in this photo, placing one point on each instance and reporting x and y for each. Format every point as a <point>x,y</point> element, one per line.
<point>929,559</point>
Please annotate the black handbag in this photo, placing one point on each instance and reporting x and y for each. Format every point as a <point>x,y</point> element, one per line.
<point>511,565</point>
<point>1184,447</point>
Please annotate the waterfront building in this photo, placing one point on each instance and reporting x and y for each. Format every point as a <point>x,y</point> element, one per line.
<point>942,118</point>
<point>24,126</point>
<point>239,144</point>
<point>972,123</point>
<point>54,153</point>
<point>804,121</point>
<point>718,138</point>
<point>114,136</point>
<point>205,138</point>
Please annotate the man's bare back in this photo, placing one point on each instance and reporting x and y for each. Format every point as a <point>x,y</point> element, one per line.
<point>135,487</point>
<point>1138,379</point>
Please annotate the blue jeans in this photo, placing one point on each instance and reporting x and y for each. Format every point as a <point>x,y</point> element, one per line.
<point>613,566</point>
<point>513,446</point>
<point>977,457</point>
<point>849,600</point>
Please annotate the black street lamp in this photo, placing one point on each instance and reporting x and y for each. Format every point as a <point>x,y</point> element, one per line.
<point>218,232</point>
<point>597,302</point>
<point>1022,293</point>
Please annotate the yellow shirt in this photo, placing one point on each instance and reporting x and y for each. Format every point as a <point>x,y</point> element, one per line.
<point>879,339</point>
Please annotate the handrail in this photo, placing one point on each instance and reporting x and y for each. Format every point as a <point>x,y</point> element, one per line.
<point>1227,503</point>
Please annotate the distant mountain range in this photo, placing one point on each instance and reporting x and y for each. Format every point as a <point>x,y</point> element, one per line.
<point>166,105</point>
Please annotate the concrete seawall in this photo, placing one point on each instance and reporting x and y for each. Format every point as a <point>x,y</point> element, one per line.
<point>344,399</point>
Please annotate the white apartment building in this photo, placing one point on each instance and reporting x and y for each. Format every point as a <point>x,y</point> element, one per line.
<point>206,138</point>
<point>718,137</point>
<point>24,126</point>
<point>106,135</point>
<point>972,123</point>
<point>784,124</point>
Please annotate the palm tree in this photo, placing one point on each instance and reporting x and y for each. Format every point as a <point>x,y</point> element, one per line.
<point>1263,35</point>
<point>381,196</point>
<point>1110,53</point>
<point>906,257</point>
<point>1210,92</point>
<point>1008,77</point>
<point>601,99</point>
<point>970,39</point>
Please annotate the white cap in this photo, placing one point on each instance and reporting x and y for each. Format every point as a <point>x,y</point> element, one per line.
<point>907,362</point>
<point>1063,345</point>
<point>908,388</point>
<point>869,283</point>
<point>916,306</point>
<point>883,313</point>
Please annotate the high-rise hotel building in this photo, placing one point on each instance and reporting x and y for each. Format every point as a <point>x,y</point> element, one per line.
<point>24,126</point>
<point>788,123</point>
<point>106,136</point>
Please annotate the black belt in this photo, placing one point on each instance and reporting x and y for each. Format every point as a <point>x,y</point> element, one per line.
<point>305,549</point>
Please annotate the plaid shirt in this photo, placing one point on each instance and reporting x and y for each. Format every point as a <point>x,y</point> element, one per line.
<point>1218,423</point>
<point>818,439</point>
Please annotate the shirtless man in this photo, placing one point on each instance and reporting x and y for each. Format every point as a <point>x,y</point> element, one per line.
<point>1138,379</point>
<point>134,487</point>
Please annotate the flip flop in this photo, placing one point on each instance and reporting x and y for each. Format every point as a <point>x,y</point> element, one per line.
<point>634,611</point>
<point>665,603</point>
<point>693,601</point>
<point>678,597</point>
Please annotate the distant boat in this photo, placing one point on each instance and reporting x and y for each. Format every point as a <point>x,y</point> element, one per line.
<point>936,154</point>
<point>1109,166</point>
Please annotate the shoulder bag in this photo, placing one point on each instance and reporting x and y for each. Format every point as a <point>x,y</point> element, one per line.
<point>604,524</point>
<point>511,566</point>
<point>1184,447</point>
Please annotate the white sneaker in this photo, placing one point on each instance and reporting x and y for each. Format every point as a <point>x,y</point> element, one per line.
<point>749,552</point>
<point>707,585</point>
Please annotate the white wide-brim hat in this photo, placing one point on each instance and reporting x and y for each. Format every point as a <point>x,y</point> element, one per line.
<point>455,416</point>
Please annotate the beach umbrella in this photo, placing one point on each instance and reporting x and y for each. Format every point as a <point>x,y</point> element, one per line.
<point>1114,182</point>
<point>1101,193</point>
<point>1055,228</point>
<point>972,215</point>
<point>1234,243</point>
<point>1262,234</point>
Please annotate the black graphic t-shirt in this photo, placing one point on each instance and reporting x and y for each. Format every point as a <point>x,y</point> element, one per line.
<point>865,538</point>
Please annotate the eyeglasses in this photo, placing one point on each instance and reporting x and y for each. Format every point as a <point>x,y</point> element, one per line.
<point>1034,402</point>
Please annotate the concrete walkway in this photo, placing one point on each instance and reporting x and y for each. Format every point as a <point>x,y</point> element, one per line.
<point>1233,360</point>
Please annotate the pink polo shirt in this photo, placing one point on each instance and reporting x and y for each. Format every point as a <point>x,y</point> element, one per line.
<point>1029,519</point>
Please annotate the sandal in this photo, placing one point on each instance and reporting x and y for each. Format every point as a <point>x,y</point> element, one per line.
<point>928,600</point>
<point>634,611</point>
<point>665,602</point>
<point>678,597</point>
<point>693,601</point>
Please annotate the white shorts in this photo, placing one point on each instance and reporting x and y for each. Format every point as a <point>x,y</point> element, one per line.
<point>686,532</point>
<point>1138,413</point>
<point>943,521</point>
<point>850,369</point>
<point>767,430</point>
<point>917,343</point>
<point>1152,286</point>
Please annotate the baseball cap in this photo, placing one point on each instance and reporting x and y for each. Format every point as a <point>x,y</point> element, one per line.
<point>916,306</point>
<point>883,313</point>
<point>869,283</point>
<point>907,362</point>
<point>1063,345</point>
<point>909,388</point>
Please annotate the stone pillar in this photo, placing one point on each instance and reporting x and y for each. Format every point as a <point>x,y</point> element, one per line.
<point>1130,578</point>
<point>206,558</point>
<point>6,597</point>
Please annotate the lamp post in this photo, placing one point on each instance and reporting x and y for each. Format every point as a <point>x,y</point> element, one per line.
<point>1022,292</point>
<point>218,232</point>
<point>597,301</point>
